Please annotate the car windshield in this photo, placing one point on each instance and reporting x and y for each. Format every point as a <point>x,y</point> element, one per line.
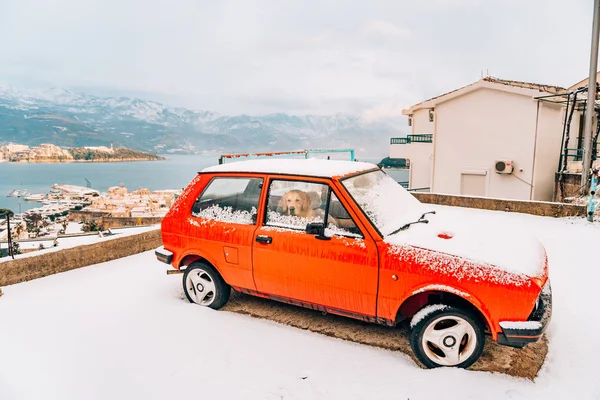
<point>387,204</point>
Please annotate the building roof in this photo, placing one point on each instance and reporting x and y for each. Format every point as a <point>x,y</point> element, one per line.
<point>552,89</point>
<point>485,82</point>
<point>305,167</point>
<point>584,82</point>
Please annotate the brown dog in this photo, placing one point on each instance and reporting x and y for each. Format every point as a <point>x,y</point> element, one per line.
<point>298,203</point>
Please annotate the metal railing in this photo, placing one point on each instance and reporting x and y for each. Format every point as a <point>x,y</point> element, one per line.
<point>273,154</point>
<point>577,155</point>
<point>401,140</point>
<point>418,138</point>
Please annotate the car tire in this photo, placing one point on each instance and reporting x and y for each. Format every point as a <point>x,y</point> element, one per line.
<point>445,336</point>
<point>203,285</point>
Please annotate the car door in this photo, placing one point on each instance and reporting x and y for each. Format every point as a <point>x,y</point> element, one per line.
<point>337,271</point>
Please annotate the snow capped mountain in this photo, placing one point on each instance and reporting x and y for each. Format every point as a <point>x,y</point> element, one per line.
<point>68,118</point>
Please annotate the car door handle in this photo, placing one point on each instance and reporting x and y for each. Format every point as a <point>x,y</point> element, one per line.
<point>264,239</point>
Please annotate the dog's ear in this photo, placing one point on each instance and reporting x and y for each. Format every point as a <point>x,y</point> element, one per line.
<point>306,201</point>
<point>283,203</point>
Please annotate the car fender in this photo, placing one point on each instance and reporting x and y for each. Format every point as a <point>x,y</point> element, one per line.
<point>469,297</point>
<point>200,255</point>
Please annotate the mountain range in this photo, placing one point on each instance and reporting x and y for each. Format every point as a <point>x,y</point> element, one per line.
<point>71,119</point>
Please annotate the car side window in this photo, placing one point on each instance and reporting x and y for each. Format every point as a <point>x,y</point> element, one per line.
<point>339,221</point>
<point>294,204</point>
<point>232,200</point>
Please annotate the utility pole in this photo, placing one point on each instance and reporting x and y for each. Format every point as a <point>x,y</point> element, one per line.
<point>591,102</point>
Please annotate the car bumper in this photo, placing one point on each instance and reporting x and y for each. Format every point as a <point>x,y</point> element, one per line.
<point>163,255</point>
<point>520,333</point>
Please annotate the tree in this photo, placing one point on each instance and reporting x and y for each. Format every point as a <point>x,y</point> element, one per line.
<point>65,223</point>
<point>7,213</point>
<point>33,221</point>
<point>19,230</point>
<point>91,226</point>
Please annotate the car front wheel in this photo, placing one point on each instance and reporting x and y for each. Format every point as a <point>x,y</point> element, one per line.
<point>203,285</point>
<point>445,336</point>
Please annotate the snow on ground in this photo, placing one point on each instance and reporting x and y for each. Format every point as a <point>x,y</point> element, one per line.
<point>68,242</point>
<point>120,330</point>
<point>73,227</point>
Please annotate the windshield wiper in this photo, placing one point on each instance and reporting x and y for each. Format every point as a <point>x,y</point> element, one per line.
<point>421,220</point>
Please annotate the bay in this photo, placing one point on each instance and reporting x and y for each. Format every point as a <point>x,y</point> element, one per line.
<point>173,173</point>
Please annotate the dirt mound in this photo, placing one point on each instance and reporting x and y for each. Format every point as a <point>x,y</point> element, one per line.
<point>524,362</point>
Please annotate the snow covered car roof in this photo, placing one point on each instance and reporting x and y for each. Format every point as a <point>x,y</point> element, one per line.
<point>307,167</point>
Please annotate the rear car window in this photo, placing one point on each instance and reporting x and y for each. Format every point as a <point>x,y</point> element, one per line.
<point>232,200</point>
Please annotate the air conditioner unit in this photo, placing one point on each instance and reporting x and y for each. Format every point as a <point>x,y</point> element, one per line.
<point>504,166</point>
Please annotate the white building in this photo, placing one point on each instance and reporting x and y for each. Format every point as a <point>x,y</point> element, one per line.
<point>492,138</point>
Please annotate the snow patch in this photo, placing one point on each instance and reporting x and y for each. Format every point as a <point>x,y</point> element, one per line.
<point>387,204</point>
<point>502,245</point>
<point>227,214</point>
<point>289,221</point>
<point>425,311</point>
<point>307,167</point>
<point>458,268</point>
<point>443,288</point>
<point>529,325</point>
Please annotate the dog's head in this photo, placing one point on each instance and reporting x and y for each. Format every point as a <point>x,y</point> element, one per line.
<point>294,202</point>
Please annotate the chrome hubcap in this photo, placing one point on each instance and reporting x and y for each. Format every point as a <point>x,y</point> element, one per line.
<point>449,340</point>
<point>200,287</point>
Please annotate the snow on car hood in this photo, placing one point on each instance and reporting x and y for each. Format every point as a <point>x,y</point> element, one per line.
<point>509,248</point>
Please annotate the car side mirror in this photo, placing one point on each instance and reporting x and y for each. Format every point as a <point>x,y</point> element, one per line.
<point>317,229</point>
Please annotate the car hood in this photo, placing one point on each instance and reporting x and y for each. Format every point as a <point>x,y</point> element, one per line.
<point>511,249</point>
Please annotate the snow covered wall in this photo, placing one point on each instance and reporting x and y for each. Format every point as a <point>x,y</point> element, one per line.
<point>60,259</point>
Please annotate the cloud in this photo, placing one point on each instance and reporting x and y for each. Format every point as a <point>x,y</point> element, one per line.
<point>296,56</point>
<point>376,29</point>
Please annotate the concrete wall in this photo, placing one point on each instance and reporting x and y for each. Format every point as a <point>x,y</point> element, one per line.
<point>421,122</point>
<point>547,150</point>
<point>474,130</point>
<point>526,207</point>
<point>420,156</point>
<point>27,268</point>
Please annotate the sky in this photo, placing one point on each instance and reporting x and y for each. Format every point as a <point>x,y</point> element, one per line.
<point>370,58</point>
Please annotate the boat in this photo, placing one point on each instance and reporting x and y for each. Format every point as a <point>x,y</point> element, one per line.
<point>35,197</point>
<point>17,193</point>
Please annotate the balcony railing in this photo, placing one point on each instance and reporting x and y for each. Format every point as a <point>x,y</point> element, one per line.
<point>419,138</point>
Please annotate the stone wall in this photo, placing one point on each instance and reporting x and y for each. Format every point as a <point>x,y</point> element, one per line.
<point>571,186</point>
<point>527,207</point>
<point>117,222</point>
<point>83,216</point>
<point>28,268</point>
<point>104,218</point>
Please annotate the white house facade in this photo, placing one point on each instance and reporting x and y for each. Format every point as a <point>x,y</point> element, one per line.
<point>493,138</point>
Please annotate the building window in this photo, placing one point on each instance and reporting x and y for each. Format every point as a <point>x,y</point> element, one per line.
<point>431,114</point>
<point>410,120</point>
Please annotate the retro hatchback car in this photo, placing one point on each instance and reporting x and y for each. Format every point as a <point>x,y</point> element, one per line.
<point>343,237</point>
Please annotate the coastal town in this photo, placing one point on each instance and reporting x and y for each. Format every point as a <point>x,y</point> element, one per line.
<point>47,152</point>
<point>68,211</point>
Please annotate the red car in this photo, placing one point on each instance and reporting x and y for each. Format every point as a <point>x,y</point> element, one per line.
<point>343,237</point>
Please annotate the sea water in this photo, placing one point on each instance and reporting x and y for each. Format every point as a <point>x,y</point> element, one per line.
<point>173,173</point>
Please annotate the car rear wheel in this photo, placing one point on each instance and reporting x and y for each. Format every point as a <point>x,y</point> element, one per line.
<point>445,336</point>
<point>203,285</point>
